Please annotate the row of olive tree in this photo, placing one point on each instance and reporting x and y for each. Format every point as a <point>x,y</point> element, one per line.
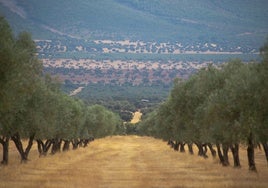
<point>33,107</point>
<point>225,106</point>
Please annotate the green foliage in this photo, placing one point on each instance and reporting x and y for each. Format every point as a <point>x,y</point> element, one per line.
<point>224,104</point>
<point>148,125</point>
<point>101,122</point>
<point>264,51</point>
<point>131,129</point>
<point>33,106</point>
<point>153,56</point>
<point>224,21</point>
<point>19,76</point>
<point>122,99</point>
<point>126,116</point>
<point>261,90</point>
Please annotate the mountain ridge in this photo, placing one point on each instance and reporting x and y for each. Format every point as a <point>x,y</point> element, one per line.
<point>187,21</point>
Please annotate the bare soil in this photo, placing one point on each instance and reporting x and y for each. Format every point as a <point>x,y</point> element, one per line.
<point>129,161</point>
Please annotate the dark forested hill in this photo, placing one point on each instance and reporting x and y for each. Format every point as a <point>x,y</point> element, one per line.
<point>244,22</point>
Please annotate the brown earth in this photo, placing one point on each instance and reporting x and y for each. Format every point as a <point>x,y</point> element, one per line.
<point>128,161</point>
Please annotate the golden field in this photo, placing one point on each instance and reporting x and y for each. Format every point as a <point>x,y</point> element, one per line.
<point>128,161</point>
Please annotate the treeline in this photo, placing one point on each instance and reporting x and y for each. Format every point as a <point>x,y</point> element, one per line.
<point>123,99</point>
<point>33,107</point>
<point>141,51</point>
<point>225,106</point>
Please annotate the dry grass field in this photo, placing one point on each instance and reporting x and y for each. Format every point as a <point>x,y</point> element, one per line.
<point>128,161</point>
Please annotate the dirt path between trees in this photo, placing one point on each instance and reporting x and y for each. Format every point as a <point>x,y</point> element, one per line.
<point>129,161</point>
<point>136,117</point>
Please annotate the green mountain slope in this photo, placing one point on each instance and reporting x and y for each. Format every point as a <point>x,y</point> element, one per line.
<point>235,21</point>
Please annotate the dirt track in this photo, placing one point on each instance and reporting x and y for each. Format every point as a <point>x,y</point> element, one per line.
<point>128,161</point>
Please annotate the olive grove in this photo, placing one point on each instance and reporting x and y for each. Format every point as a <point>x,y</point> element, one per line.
<point>33,107</point>
<point>224,106</point>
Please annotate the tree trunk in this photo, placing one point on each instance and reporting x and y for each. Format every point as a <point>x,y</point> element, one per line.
<point>225,149</point>
<point>171,143</point>
<point>29,146</point>
<point>43,147</point>
<point>19,146</point>
<point>212,150</point>
<point>56,145</point>
<point>75,143</point>
<point>40,146</point>
<point>5,143</point>
<point>200,150</point>
<point>205,150</point>
<point>182,149</point>
<point>176,146</point>
<point>80,142</point>
<point>47,146</point>
<point>220,154</point>
<point>66,145</point>
<point>265,148</point>
<point>190,148</point>
<point>235,152</point>
<point>85,142</point>
<point>23,154</point>
<point>250,151</point>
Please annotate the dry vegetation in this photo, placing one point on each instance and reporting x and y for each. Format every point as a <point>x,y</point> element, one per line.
<point>76,91</point>
<point>136,117</point>
<point>90,64</point>
<point>128,161</point>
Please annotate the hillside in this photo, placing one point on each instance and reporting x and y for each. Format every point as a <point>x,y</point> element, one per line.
<point>110,43</point>
<point>241,22</point>
<point>129,161</point>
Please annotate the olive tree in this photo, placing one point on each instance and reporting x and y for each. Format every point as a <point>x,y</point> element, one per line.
<point>100,122</point>
<point>20,72</point>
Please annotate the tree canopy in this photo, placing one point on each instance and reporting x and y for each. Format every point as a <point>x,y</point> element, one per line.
<point>223,105</point>
<point>32,105</point>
